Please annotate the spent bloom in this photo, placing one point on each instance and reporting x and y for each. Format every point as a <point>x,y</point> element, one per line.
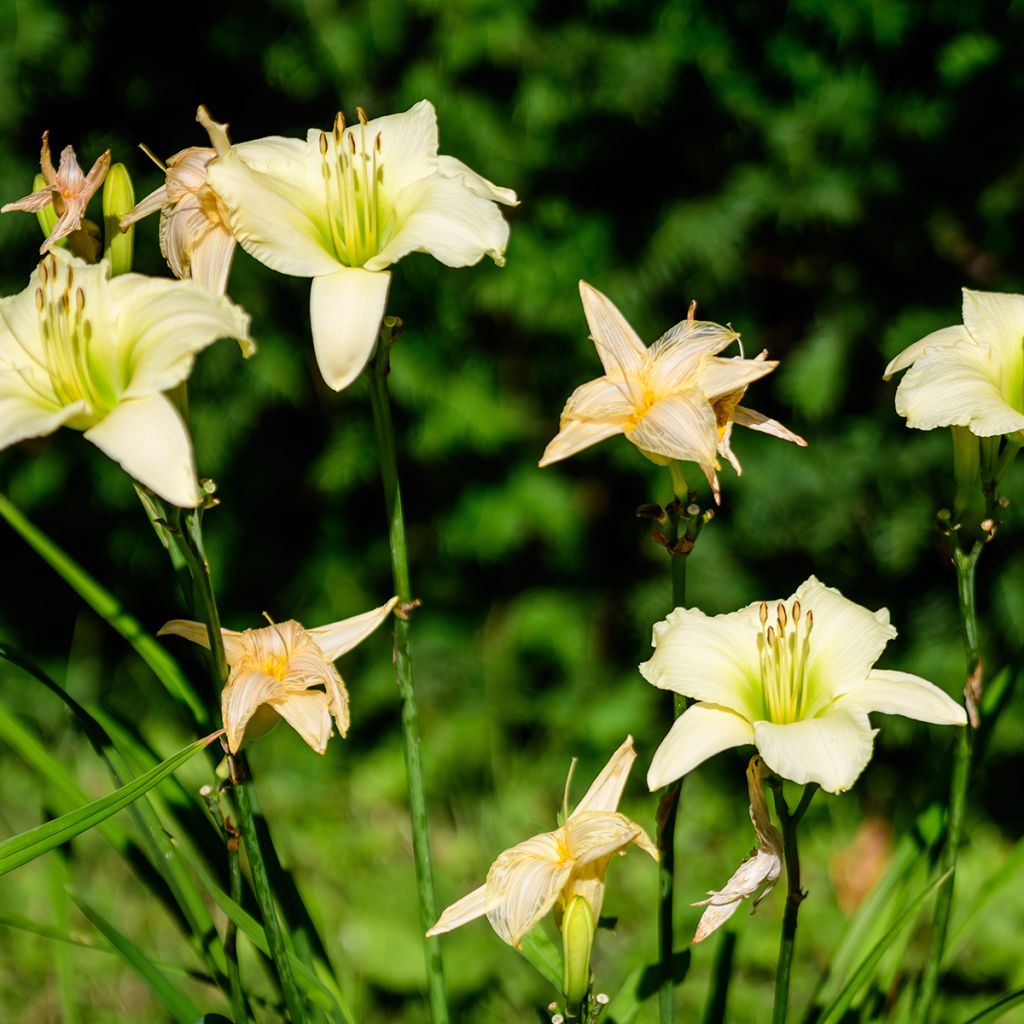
<point>67,188</point>
<point>195,237</point>
<point>969,375</point>
<point>82,350</point>
<point>342,205</point>
<point>552,869</point>
<point>796,678</point>
<point>761,868</point>
<point>676,400</point>
<point>285,671</point>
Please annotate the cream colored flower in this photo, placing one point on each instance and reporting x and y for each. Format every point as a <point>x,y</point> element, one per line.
<point>761,868</point>
<point>343,205</point>
<point>278,671</point>
<point>82,350</point>
<point>553,868</point>
<point>194,234</point>
<point>67,188</point>
<point>971,375</point>
<point>676,401</point>
<point>795,678</point>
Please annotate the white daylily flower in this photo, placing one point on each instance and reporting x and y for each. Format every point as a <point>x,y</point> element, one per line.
<point>81,350</point>
<point>798,687</point>
<point>343,205</point>
<point>195,237</point>
<point>67,188</point>
<point>528,880</point>
<point>971,375</point>
<point>761,868</point>
<point>676,400</point>
<point>276,672</point>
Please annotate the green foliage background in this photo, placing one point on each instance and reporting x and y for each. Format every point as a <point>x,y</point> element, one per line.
<point>823,176</point>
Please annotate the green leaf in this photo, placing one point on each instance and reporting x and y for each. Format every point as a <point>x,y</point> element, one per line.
<point>641,984</point>
<point>174,1001</point>
<point>21,849</point>
<point>543,954</point>
<point>996,1010</point>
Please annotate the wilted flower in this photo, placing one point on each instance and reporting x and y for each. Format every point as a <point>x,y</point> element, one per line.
<point>67,188</point>
<point>343,205</point>
<point>799,687</point>
<point>528,880</point>
<point>95,354</point>
<point>971,375</point>
<point>194,234</point>
<point>676,401</point>
<point>761,868</point>
<point>278,671</point>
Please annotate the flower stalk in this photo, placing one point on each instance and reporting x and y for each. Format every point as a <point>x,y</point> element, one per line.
<point>385,431</point>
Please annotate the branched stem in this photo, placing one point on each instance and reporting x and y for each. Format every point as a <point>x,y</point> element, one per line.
<point>381,403</point>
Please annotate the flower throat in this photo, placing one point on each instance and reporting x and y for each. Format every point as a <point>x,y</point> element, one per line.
<point>783,650</point>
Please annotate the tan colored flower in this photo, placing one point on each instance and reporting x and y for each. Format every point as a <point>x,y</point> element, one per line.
<point>67,188</point>
<point>278,671</point>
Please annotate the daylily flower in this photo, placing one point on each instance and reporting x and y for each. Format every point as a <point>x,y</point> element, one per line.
<point>676,400</point>
<point>276,672</point>
<point>761,868</point>
<point>195,238</point>
<point>346,203</point>
<point>795,678</point>
<point>67,188</point>
<point>971,375</point>
<point>95,354</point>
<point>553,868</point>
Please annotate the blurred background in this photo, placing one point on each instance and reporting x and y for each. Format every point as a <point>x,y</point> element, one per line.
<point>824,177</point>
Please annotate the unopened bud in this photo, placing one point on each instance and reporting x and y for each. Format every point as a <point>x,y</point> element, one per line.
<point>118,202</point>
<point>577,940</point>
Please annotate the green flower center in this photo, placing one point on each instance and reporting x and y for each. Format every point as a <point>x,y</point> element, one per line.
<point>783,647</point>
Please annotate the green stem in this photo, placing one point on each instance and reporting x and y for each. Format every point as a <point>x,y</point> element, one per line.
<point>966,564</point>
<point>381,403</point>
<point>794,895</point>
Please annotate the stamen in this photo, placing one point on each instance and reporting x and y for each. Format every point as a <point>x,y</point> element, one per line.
<point>764,612</point>
<point>323,144</point>
<point>361,114</point>
<point>781,611</point>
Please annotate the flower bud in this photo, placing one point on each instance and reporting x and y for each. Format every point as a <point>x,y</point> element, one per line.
<point>118,200</point>
<point>577,939</point>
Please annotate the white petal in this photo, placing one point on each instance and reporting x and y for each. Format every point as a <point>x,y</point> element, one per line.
<point>997,319</point>
<point>345,310</point>
<point>523,884</point>
<point>606,790</point>
<point>713,659</point>
<point>339,637</point>
<point>478,185</point>
<point>211,260</point>
<point>681,356</point>
<point>832,749</point>
<point>596,835</point>
<point>943,337</point>
<point>754,420</point>
<point>408,145</point>
<point>278,215</point>
<point>441,216</point>
<point>575,436</point>
<point>605,399</point>
<point>241,699</point>
<point>23,416</point>
<point>21,341</point>
<point>900,693</point>
<point>698,733</point>
<point>682,427</point>
<point>163,324</point>
<point>147,437</point>
<point>307,713</point>
<point>761,868</point>
<point>620,350</point>
<point>234,642</point>
<point>720,377</point>
<point>469,908</point>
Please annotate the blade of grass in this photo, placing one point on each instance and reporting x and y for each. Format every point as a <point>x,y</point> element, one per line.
<point>714,1010</point>
<point>641,984</point>
<point>996,1010</point>
<point>58,879</point>
<point>538,949</point>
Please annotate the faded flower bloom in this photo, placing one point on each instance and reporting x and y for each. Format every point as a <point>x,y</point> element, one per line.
<point>553,868</point>
<point>277,671</point>
<point>794,678</point>
<point>971,375</point>
<point>676,401</point>
<point>343,205</point>
<point>95,354</point>
<point>194,234</point>
<point>761,868</point>
<point>67,188</point>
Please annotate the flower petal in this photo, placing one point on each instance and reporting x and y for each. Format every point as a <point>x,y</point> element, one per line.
<point>997,320</point>
<point>24,415</point>
<point>945,336</point>
<point>523,884</point>
<point>210,261</point>
<point>408,145</point>
<point>338,638</point>
<point>753,420</point>
<point>345,310</point>
<point>900,693</point>
<point>308,714</point>
<point>620,349</point>
<point>461,912</point>
<point>606,790</point>
<point>606,399</point>
<point>234,642</point>
<point>713,659</point>
<point>147,437</point>
<point>596,835</point>
<point>241,699</point>
<point>720,377</point>
<point>575,436</point>
<point>681,427</point>
<point>832,749</point>
<point>698,733</point>
<point>680,358</point>
<point>478,185</point>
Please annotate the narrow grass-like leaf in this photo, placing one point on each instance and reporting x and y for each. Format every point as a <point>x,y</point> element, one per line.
<point>833,1013</point>
<point>543,954</point>
<point>59,878</point>
<point>109,608</point>
<point>21,849</point>
<point>718,997</point>
<point>996,1010</point>
<point>174,1001</point>
<point>640,985</point>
